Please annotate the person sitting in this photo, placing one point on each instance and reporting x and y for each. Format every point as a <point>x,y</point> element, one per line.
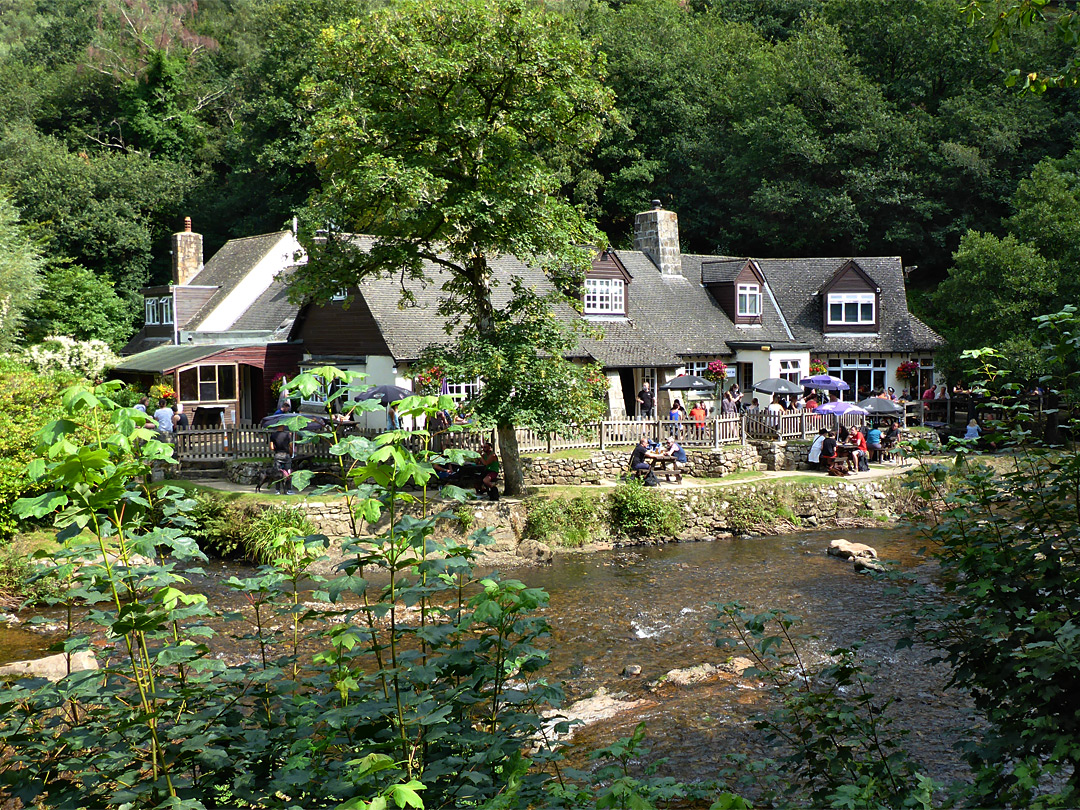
<point>861,454</point>
<point>873,443</point>
<point>829,458</point>
<point>775,408</point>
<point>815,450</point>
<point>639,461</point>
<point>755,406</point>
<point>676,451</point>
<point>973,430</point>
<point>489,460</point>
<point>890,440</point>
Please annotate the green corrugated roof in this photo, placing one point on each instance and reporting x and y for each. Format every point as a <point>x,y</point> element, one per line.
<point>166,358</point>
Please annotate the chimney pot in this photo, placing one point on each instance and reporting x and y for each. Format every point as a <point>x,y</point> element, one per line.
<point>656,205</point>
<point>187,224</point>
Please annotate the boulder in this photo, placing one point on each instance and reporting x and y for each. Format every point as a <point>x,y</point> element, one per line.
<point>52,667</point>
<point>702,673</point>
<point>737,665</point>
<point>534,551</point>
<point>849,551</point>
<point>862,564</point>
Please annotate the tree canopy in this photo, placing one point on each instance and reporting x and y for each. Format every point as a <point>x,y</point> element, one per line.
<point>445,130</point>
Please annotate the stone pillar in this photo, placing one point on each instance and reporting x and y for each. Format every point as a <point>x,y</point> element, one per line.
<point>615,402</point>
<point>187,254</point>
<point>656,234</point>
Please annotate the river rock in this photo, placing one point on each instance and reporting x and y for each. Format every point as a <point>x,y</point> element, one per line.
<point>702,673</point>
<point>52,667</point>
<point>737,665</point>
<point>849,551</point>
<point>862,564</point>
<point>534,551</point>
<point>600,706</point>
<point>631,670</point>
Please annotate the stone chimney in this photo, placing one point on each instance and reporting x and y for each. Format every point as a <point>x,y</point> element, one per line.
<point>187,255</point>
<point>656,234</point>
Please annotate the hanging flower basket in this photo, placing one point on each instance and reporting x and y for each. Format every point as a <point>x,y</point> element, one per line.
<point>908,370</point>
<point>428,381</point>
<point>817,366</point>
<point>716,371</point>
<point>163,391</point>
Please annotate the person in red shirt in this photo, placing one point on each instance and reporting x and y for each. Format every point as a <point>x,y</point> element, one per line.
<point>862,452</point>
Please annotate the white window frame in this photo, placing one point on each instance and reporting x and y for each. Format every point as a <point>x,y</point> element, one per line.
<point>846,300</point>
<point>152,312</point>
<point>749,300</point>
<point>791,370</point>
<point>856,371</point>
<point>605,296</point>
<point>461,391</point>
<point>340,295</point>
<point>166,310</point>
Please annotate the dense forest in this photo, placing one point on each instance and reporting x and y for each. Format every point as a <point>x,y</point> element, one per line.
<point>773,127</point>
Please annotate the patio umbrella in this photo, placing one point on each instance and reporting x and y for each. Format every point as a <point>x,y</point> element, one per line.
<point>824,382</point>
<point>881,406</point>
<point>776,385</point>
<point>839,408</point>
<point>689,382</point>
<point>385,394</point>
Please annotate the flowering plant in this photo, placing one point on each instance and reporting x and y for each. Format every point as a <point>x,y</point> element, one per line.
<point>817,366</point>
<point>427,382</point>
<point>597,382</point>
<point>276,382</point>
<point>908,370</point>
<point>88,358</point>
<point>162,390</point>
<point>716,371</point>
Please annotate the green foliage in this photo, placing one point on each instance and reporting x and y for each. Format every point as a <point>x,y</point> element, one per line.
<point>1006,541</point>
<point>570,522</point>
<point>220,526</point>
<point>276,535</point>
<point>20,274</point>
<point>79,304</point>
<point>28,402</point>
<point>748,512</point>
<point>640,511</point>
<point>842,747</point>
<point>423,686</point>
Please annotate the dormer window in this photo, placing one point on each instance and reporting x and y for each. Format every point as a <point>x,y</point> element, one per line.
<point>749,297</point>
<point>852,309</point>
<point>166,310</point>
<point>605,296</point>
<point>152,312</point>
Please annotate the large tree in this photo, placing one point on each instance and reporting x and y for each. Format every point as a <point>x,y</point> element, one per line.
<point>446,129</point>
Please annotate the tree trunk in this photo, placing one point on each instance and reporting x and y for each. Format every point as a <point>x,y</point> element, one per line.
<point>513,476</point>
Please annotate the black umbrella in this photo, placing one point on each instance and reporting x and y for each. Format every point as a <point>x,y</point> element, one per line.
<point>385,394</point>
<point>689,382</point>
<point>776,385</point>
<point>881,406</point>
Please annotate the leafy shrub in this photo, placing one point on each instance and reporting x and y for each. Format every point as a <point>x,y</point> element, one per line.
<point>28,402</point>
<point>570,522</point>
<point>272,536</point>
<point>748,513</point>
<point>637,511</point>
<point>220,526</point>
<point>61,354</point>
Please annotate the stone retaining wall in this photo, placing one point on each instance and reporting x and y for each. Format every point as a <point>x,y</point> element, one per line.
<point>611,465</point>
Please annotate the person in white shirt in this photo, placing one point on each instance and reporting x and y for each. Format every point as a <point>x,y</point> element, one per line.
<point>775,407</point>
<point>164,417</point>
<point>815,449</point>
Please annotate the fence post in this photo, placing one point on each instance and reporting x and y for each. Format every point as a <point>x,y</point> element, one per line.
<point>602,423</point>
<point>549,443</point>
<point>802,425</point>
<point>742,429</point>
<point>716,432</point>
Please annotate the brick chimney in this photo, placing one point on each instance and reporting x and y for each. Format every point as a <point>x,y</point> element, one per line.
<point>656,234</point>
<point>187,255</point>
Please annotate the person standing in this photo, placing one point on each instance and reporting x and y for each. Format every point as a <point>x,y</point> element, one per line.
<point>646,401</point>
<point>281,448</point>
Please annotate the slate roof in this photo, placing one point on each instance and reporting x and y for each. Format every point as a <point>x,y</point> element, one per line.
<point>228,267</point>
<point>271,312</point>
<point>672,317</point>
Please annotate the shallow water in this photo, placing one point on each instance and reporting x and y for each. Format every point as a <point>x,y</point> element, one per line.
<point>651,606</point>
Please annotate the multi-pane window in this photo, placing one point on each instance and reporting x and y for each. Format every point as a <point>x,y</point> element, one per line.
<point>749,300</point>
<point>851,308</point>
<point>463,390</point>
<point>166,309</point>
<point>208,384</point>
<point>605,296</point>
<point>863,374</point>
<point>790,370</point>
<point>152,312</point>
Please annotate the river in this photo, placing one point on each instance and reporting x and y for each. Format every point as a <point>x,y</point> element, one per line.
<point>649,606</point>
